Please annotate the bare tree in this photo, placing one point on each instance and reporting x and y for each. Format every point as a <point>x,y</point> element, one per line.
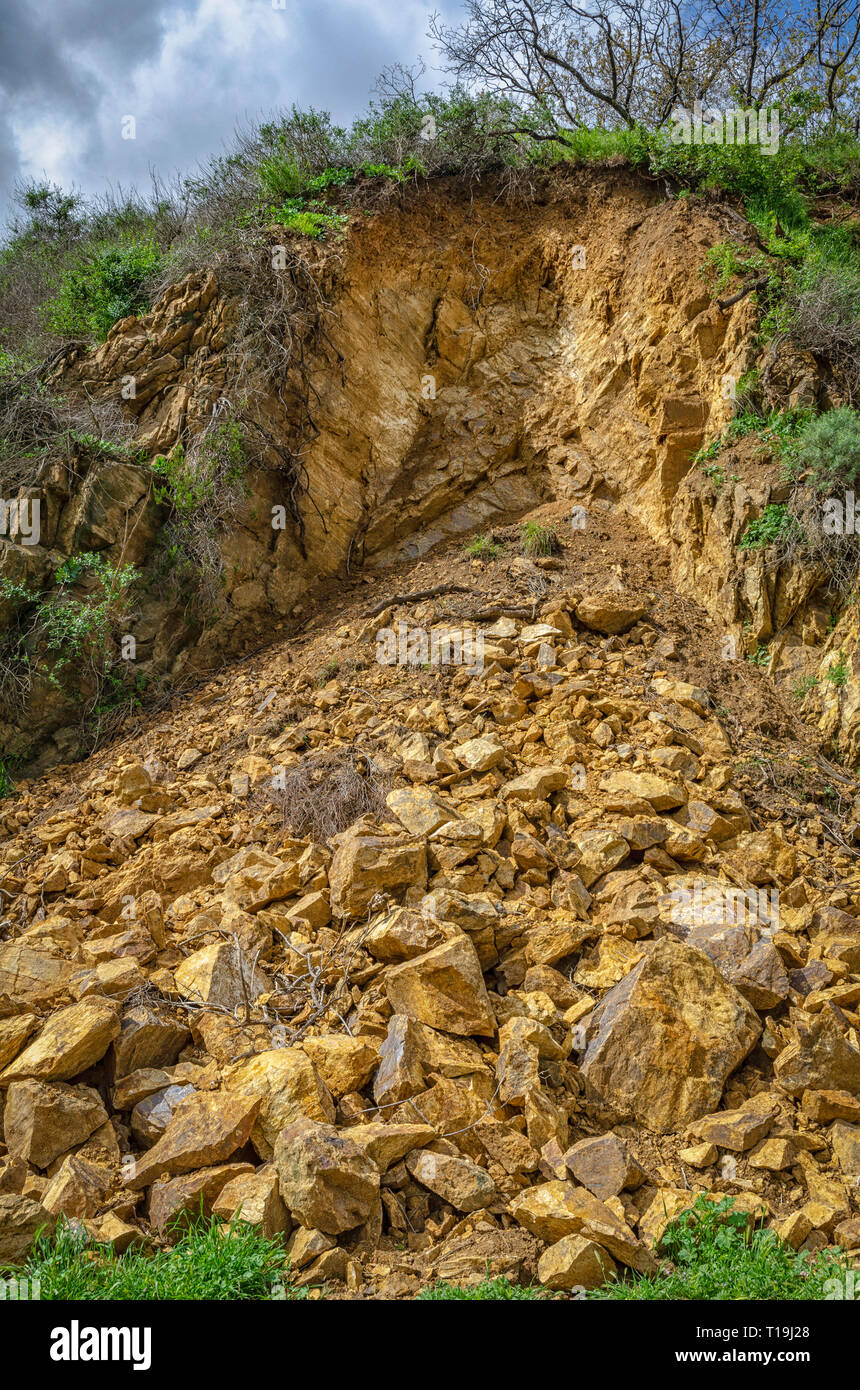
<point>784,49</point>
<point>628,62</point>
<point>582,64</point>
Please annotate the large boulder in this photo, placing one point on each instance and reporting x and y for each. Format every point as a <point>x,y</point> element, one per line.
<point>663,1041</point>
<point>289,1087</point>
<point>207,1128</point>
<point>822,1059</point>
<point>444,988</point>
<point>610,613</point>
<point>71,1040</point>
<point>42,1120</point>
<point>328,1183</point>
<point>366,863</point>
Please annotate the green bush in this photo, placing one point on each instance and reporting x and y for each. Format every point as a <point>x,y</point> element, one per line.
<point>775,524</point>
<point>188,483</point>
<point>203,487</point>
<point>308,219</point>
<point>726,261</point>
<point>105,285</point>
<point>57,631</point>
<point>838,672</point>
<point>827,450</point>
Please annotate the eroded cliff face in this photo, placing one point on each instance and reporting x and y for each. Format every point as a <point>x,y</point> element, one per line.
<point>474,363</point>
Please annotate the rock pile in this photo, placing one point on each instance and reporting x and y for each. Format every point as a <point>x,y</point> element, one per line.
<point>561,984</point>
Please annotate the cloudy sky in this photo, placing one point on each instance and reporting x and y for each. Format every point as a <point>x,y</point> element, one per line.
<point>186,70</point>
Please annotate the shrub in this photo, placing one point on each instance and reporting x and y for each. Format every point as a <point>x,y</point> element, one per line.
<point>203,487</point>
<point>775,524</point>
<point>327,792</point>
<point>803,686</point>
<point>52,632</point>
<point>826,319</point>
<point>827,450</point>
<point>838,672</point>
<point>107,284</point>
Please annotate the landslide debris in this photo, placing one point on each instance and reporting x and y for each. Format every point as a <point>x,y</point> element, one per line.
<point>581,963</point>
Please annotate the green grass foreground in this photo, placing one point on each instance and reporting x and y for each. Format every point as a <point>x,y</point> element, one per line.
<point>207,1262</point>
<point>710,1255</point>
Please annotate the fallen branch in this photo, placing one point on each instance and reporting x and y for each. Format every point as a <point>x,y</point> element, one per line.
<point>414,597</point>
<point>758,284</point>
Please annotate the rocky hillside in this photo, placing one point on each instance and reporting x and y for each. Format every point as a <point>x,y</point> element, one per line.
<point>440,969</point>
<point>475,904</point>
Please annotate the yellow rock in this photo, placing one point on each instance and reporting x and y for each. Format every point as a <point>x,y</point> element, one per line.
<point>289,1087</point>
<point>445,989</point>
<point>575,1262</point>
<point>70,1041</point>
<point>344,1063</point>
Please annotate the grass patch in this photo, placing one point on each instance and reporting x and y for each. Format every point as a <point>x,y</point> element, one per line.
<point>777,429</point>
<point>536,539</point>
<point>489,1290</point>
<point>207,1262</point>
<point>483,548</point>
<point>717,1257</point>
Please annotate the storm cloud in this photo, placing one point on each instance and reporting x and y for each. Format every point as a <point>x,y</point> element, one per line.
<point>187,71</point>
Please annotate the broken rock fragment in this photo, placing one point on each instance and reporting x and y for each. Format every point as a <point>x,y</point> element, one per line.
<point>662,1042</point>
<point>43,1120</point>
<point>206,1129</point>
<point>327,1181</point>
<point>445,989</point>
<point>70,1041</point>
